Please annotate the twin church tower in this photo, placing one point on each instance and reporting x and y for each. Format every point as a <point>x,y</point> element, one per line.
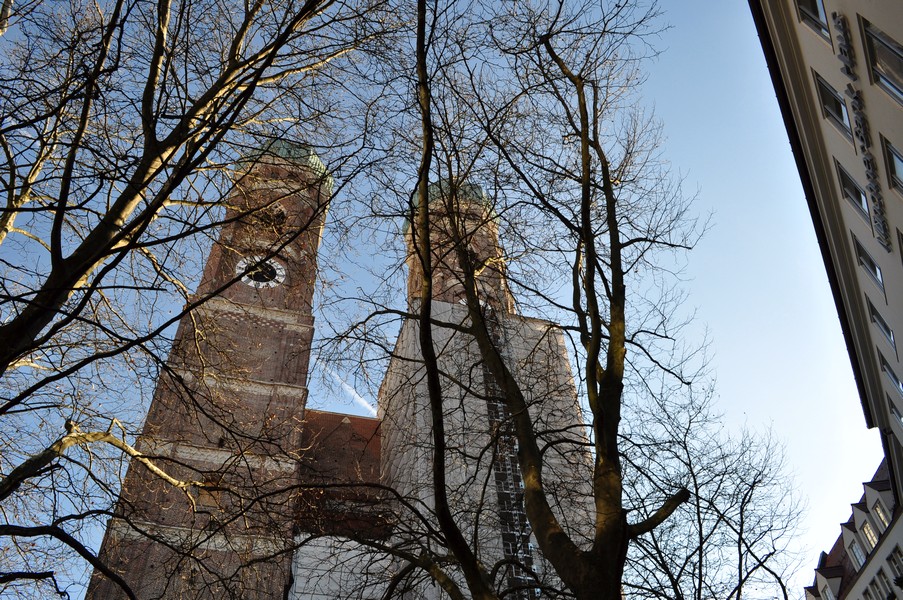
<point>259,497</point>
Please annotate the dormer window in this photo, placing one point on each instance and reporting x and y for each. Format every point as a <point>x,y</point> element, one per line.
<point>880,515</point>
<point>857,554</point>
<point>868,532</point>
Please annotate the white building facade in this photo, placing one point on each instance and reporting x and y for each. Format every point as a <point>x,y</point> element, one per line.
<point>837,66</point>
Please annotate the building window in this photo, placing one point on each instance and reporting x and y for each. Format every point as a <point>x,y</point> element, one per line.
<point>895,562</point>
<point>884,582</point>
<point>871,540</point>
<point>857,554</point>
<point>852,191</point>
<point>885,366</point>
<point>886,60</point>
<point>879,513</point>
<point>812,13</point>
<point>881,324</point>
<point>868,263</point>
<point>833,107</point>
<point>894,160</point>
<point>897,416</point>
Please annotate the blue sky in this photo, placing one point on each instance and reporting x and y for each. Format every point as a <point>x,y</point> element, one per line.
<point>757,278</point>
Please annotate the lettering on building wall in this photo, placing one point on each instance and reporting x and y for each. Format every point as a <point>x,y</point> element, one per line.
<point>844,46</point>
<point>861,131</point>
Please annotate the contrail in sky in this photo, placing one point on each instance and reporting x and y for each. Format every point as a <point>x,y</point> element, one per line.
<point>358,399</point>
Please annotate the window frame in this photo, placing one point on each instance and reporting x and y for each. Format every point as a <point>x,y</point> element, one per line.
<point>818,20</point>
<point>827,93</point>
<point>869,264</point>
<point>884,582</point>
<point>895,412</point>
<point>889,372</point>
<point>881,514</point>
<point>891,83</point>
<point>895,561</point>
<point>882,325</point>
<point>868,533</point>
<point>893,159</point>
<point>862,205</point>
<point>857,554</point>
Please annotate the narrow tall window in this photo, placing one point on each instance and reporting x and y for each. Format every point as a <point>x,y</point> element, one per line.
<point>812,13</point>
<point>868,263</point>
<point>833,107</point>
<point>857,554</point>
<point>881,324</point>
<point>884,582</point>
<point>871,539</point>
<point>895,561</point>
<point>886,61</point>
<point>852,191</point>
<point>894,165</point>
<point>878,511</point>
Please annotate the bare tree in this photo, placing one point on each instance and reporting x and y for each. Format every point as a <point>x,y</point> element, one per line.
<point>123,126</point>
<point>594,229</point>
<point>731,539</point>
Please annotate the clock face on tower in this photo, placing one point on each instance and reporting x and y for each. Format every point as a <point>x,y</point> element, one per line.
<point>260,271</point>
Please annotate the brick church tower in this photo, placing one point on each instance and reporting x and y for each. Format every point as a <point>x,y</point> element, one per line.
<point>228,409</point>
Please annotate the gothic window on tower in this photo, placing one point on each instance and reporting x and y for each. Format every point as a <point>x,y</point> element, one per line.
<point>260,271</point>
<point>812,13</point>
<point>272,217</point>
<point>833,107</point>
<point>885,57</point>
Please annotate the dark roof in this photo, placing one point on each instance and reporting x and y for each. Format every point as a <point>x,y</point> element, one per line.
<point>882,485</point>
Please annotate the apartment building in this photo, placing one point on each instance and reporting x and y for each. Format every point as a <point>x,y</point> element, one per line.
<point>837,67</point>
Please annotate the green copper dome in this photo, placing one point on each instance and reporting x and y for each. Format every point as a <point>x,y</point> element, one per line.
<point>294,152</point>
<point>466,192</point>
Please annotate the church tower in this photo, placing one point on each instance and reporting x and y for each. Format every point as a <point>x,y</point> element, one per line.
<point>484,483</point>
<point>227,413</point>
